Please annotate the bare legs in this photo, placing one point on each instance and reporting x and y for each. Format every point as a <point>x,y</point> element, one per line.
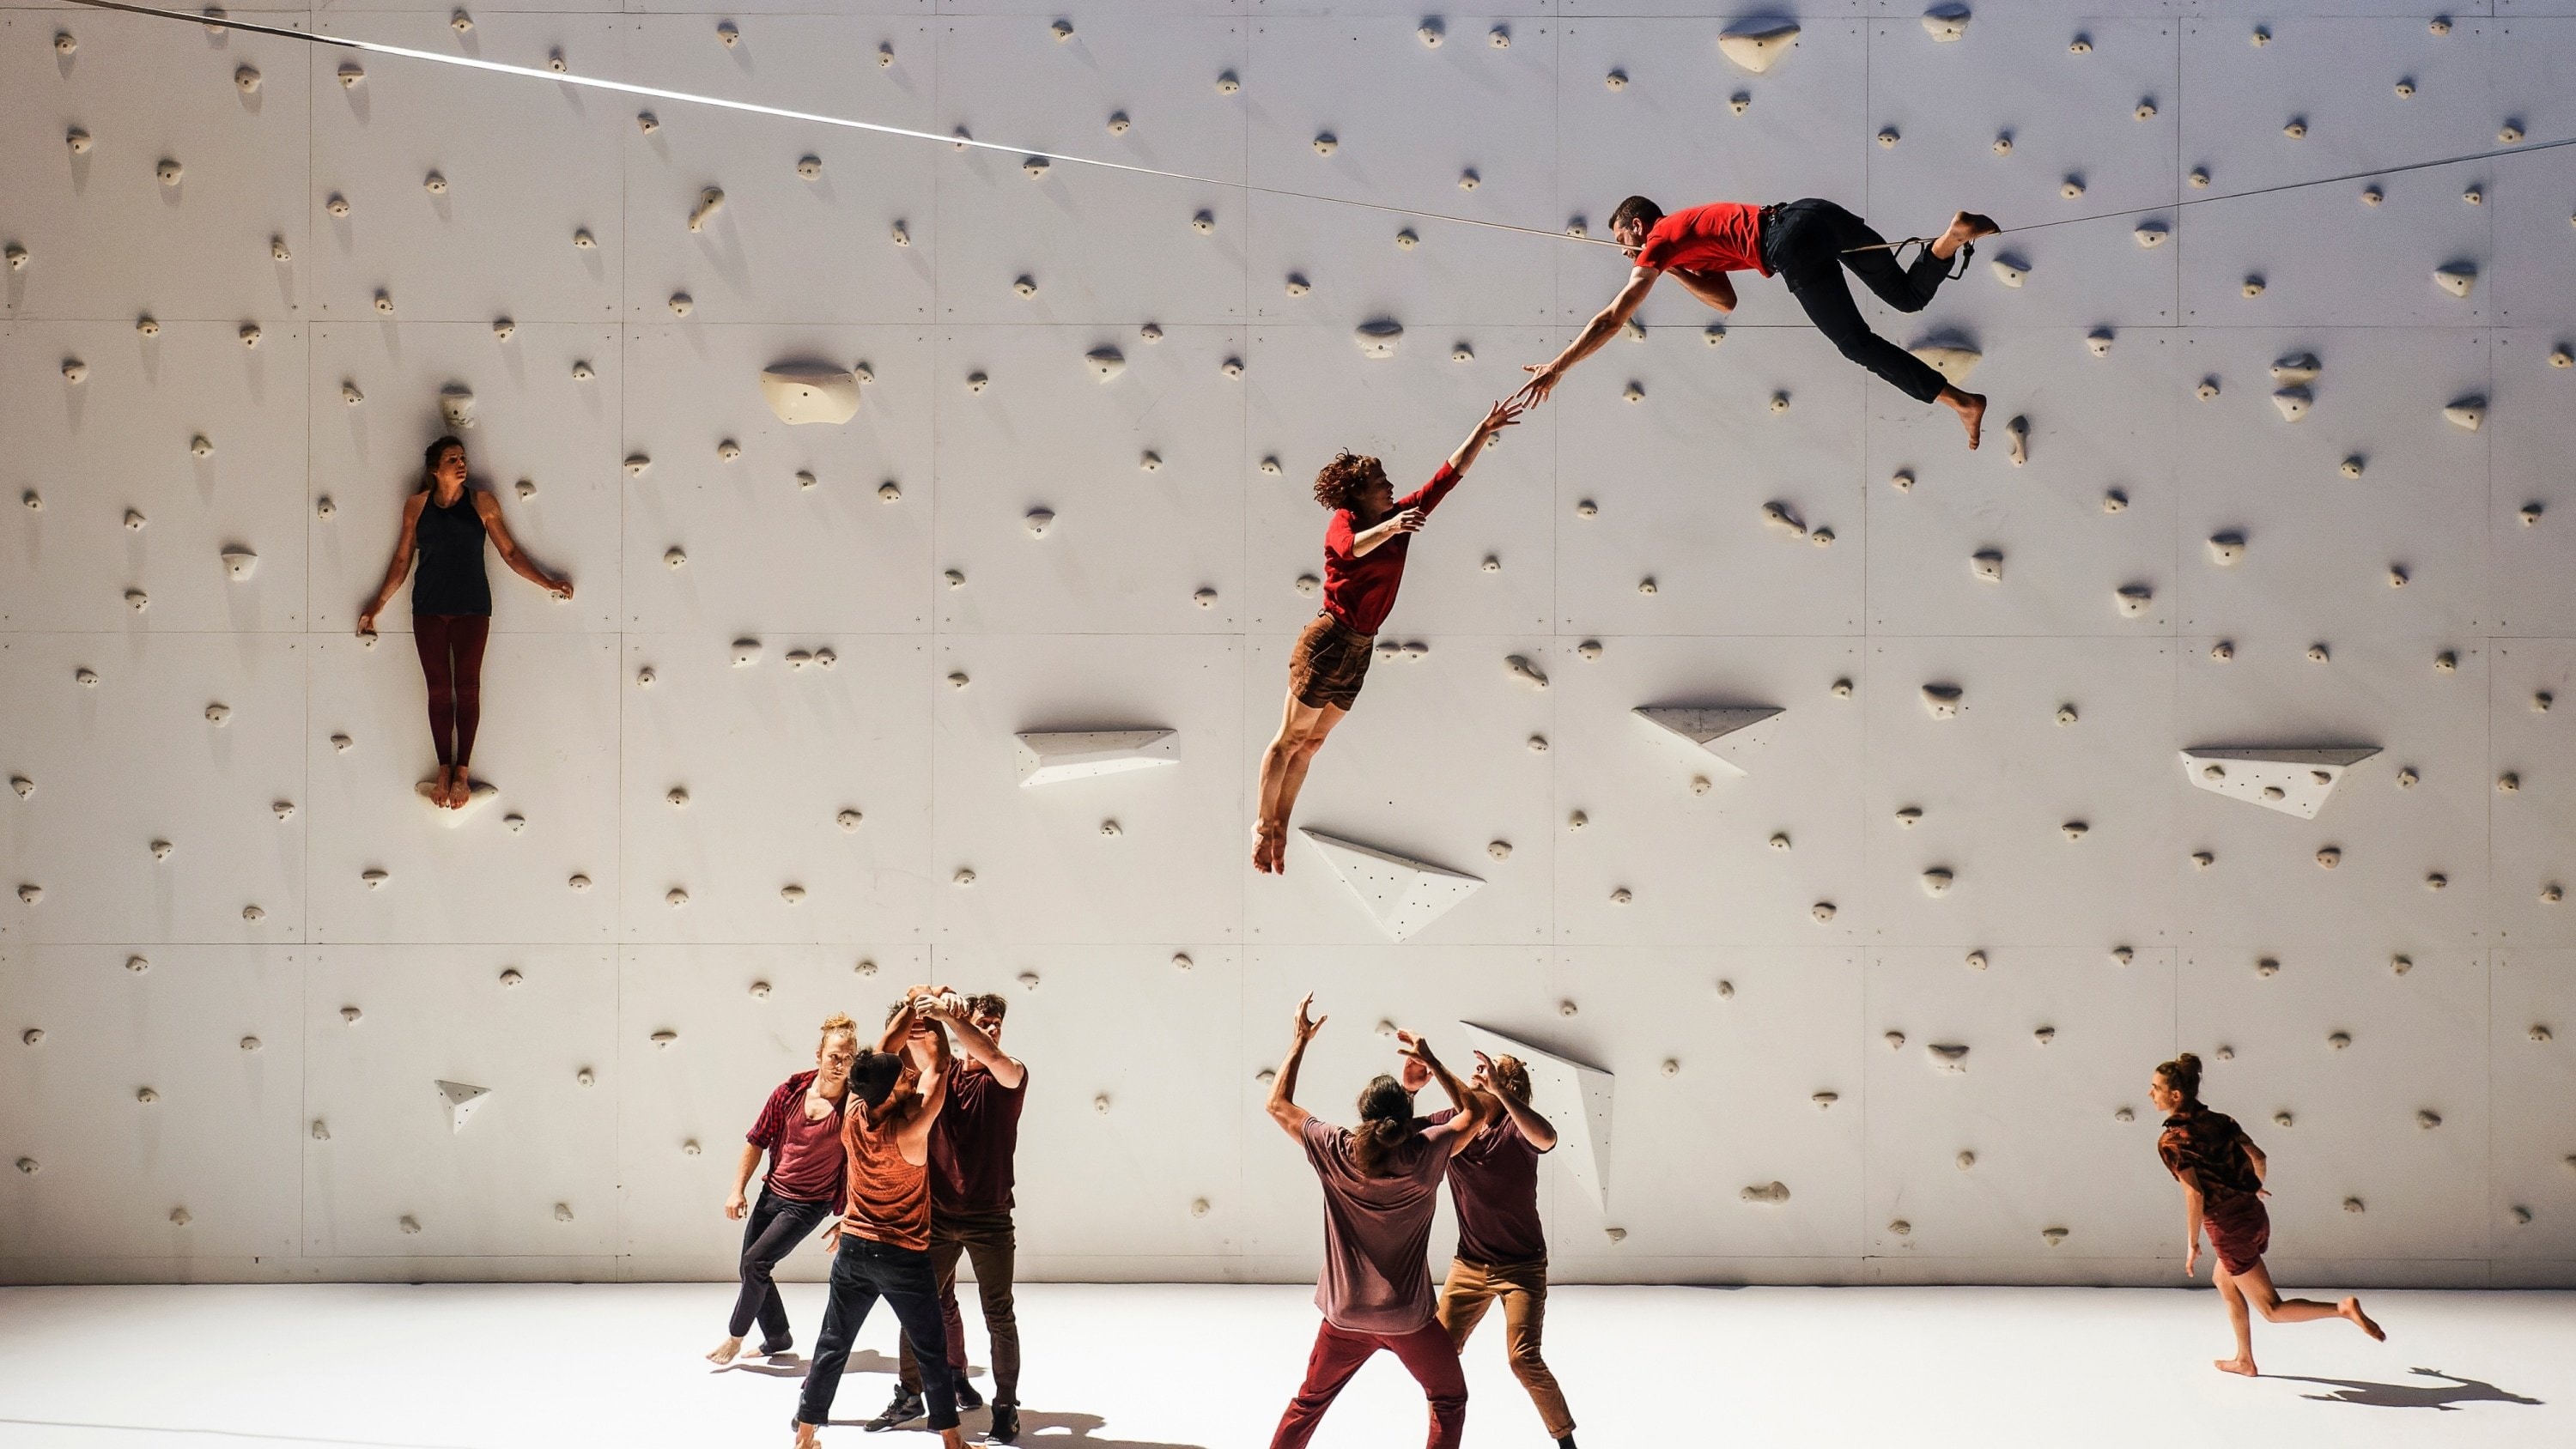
<point>1302,728</point>
<point>2251,1292</point>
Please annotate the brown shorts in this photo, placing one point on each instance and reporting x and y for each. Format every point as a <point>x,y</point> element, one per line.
<point>2238,1232</point>
<point>1330,661</point>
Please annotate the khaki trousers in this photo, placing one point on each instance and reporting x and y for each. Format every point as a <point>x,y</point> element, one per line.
<point>1522,1287</point>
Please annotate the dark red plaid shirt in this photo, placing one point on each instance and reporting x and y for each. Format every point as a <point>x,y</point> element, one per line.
<point>2212,1147</point>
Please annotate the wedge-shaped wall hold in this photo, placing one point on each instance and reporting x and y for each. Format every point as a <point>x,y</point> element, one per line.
<point>2292,780</point>
<point>1757,49</point>
<point>1954,361</point>
<point>1946,1057</point>
<point>1401,894</point>
<point>2468,412</point>
<point>478,794</point>
<point>2456,278</point>
<point>1559,1087</point>
<point>1105,362</point>
<point>808,392</point>
<point>1378,339</point>
<point>1946,22</point>
<point>2296,370</point>
<point>461,1099</point>
<point>1053,757</point>
<point>1727,732</point>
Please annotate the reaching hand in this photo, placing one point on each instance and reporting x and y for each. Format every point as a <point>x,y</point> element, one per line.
<point>1411,520</point>
<point>1415,1049</point>
<point>1416,1076</point>
<point>1543,380</point>
<point>1504,414</point>
<point>1305,1029</point>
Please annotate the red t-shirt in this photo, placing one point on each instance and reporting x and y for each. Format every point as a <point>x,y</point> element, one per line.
<point>1494,1183</point>
<point>1723,236</point>
<point>805,1157</point>
<point>972,1142</point>
<point>1359,589</point>
<point>1377,1274</point>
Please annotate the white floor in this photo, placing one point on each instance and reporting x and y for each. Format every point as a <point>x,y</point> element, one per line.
<point>1163,1367</point>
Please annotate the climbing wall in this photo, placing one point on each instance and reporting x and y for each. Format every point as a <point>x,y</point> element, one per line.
<point>1844,821</point>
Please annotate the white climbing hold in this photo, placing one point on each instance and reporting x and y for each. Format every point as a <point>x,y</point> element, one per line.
<point>1954,361</point>
<point>2226,549</point>
<point>1943,701</point>
<point>2294,781</point>
<point>2098,341</point>
<point>1378,339</point>
<point>240,563</point>
<point>1947,1058</point>
<point>1936,882</point>
<point>461,1098</point>
<point>1770,1193</point>
<point>1758,50</point>
<point>1105,362</point>
<point>1946,22</point>
<point>810,393</point>
<point>2293,403</point>
<point>1520,668</point>
<point>170,172</point>
<point>1401,894</point>
<point>746,652</point>
<point>2008,272</point>
<point>2456,279</point>
<point>1987,564</point>
<point>1053,757</point>
<point>2469,413</point>
<point>2151,233</point>
<point>710,201</point>
<point>2017,441</point>
<point>2133,600</point>
<point>1726,732</point>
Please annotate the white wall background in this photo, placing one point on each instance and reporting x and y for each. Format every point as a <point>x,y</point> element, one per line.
<point>1096,625</point>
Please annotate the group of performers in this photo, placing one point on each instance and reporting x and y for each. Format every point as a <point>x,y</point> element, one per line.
<point>901,1147</point>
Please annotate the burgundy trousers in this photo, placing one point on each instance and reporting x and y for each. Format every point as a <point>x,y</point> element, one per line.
<point>1426,1353</point>
<point>451,660</point>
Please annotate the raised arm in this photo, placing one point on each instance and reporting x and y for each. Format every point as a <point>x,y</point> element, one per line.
<point>488,508</point>
<point>1540,1132</point>
<point>1474,1108</point>
<point>400,568</point>
<point>1007,1071</point>
<point>899,1026</point>
<point>1501,415</point>
<point>1604,325</point>
<point>912,1139</point>
<point>1283,1087</point>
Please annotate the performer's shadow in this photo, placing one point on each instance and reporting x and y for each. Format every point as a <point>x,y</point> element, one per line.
<point>2446,1397</point>
<point>1074,1431</point>
<point>792,1365</point>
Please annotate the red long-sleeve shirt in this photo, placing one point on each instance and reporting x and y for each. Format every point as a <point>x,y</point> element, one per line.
<point>1359,589</point>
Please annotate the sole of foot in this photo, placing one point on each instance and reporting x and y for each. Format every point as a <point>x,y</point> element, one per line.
<point>2351,1309</point>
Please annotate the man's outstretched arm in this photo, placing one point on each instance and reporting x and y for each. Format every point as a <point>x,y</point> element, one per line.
<point>1604,325</point>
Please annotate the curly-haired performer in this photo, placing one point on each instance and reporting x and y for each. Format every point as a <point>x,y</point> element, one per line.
<point>800,1129</point>
<point>1381,1184</point>
<point>2221,1172</point>
<point>1364,547</point>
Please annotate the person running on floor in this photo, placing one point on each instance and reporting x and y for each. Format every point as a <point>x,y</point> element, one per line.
<point>1364,547</point>
<point>1502,1247</point>
<point>970,1213</point>
<point>2221,1172</point>
<point>445,523</point>
<point>881,1245</point>
<point>1806,244</point>
<point>1381,1184</point>
<point>800,1129</point>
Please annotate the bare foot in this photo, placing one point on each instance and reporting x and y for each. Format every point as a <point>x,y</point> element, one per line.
<point>2243,1366</point>
<point>2351,1309</point>
<point>723,1353</point>
<point>461,792</point>
<point>1965,227</point>
<point>1971,408</point>
<point>805,1436</point>
<point>1270,849</point>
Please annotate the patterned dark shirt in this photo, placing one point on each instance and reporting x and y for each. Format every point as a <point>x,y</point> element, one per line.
<point>2212,1146</point>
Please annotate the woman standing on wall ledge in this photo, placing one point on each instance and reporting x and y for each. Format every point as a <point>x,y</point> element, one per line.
<point>2221,1172</point>
<point>451,604</point>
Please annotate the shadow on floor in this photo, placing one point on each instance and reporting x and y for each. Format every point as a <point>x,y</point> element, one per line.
<point>1042,1430</point>
<point>2446,1396</point>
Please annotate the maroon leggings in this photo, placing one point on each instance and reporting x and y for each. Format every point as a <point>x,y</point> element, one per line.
<point>1426,1352</point>
<point>451,658</point>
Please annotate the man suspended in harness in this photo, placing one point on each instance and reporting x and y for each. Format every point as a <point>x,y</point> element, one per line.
<point>1806,244</point>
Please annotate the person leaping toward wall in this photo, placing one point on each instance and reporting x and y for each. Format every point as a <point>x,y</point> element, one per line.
<point>1364,548</point>
<point>1806,244</point>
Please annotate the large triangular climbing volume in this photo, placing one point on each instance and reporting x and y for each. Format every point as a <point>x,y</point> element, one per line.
<point>2294,781</point>
<point>1050,758</point>
<point>461,1099</point>
<point>1403,895</point>
<point>1560,1087</point>
<point>1726,732</point>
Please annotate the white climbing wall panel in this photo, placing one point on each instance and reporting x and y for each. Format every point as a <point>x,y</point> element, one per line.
<point>765,765</point>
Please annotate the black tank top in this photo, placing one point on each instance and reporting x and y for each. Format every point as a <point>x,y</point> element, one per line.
<point>449,577</point>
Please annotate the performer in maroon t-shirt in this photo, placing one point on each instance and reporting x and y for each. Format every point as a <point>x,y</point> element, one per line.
<point>970,1211</point>
<point>1364,549</point>
<point>1807,243</point>
<point>1381,1184</point>
<point>800,1129</point>
<point>1502,1247</point>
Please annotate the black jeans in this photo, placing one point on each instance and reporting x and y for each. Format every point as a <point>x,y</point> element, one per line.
<point>771,1232</point>
<point>863,1271</point>
<point>988,1241</point>
<point>1808,243</point>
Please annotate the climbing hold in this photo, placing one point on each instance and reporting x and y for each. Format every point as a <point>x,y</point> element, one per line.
<point>2293,403</point>
<point>1936,882</point>
<point>1758,50</point>
<point>240,563</point>
<point>1987,564</point>
<point>2253,286</point>
<point>169,172</point>
<point>2132,600</point>
<point>2151,234</point>
<point>1403,895</point>
<point>710,201</point>
<point>2008,272</point>
<point>1946,1058</point>
<point>2469,413</point>
<point>680,304</point>
<point>1943,701</point>
<point>1946,23</point>
<point>2098,341</point>
<point>2456,278</point>
<point>2226,549</point>
<point>2003,144</point>
<point>1772,1193</point>
<point>1887,137</point>
<point>2066,714</point>
<point>1954,361</point>
<point>2017,437</point>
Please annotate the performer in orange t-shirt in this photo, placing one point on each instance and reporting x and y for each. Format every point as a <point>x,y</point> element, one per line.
<point>1807,244</point>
